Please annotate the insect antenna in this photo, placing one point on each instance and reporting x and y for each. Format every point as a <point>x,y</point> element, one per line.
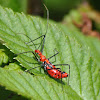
<point>31,41</point>
<point>43,41</point>
<point>47,17</point>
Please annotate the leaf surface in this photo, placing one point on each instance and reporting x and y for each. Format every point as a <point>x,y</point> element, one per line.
<point>84,78</point>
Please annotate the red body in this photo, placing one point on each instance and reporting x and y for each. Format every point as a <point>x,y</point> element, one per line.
<point>51,69</point>
<point>55,73</point>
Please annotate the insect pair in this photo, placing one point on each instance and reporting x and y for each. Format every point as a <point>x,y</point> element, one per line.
<point>48,66</point>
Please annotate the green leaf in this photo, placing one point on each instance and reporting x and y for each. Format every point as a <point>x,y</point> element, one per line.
<point>38,87</point>
<point>84,79</point>
<point>3,57</point>
<point>13,66</point>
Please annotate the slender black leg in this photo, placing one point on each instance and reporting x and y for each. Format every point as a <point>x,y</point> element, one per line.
<point>29,38</point>
<point>27,70</point>
<point>28,52</point>
<point>35,39</point>
<point>54,55</point>
<point>42,42</point>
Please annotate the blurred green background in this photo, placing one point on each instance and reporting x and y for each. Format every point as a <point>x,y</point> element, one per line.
<point>16,5</point>
<point>58,9</point>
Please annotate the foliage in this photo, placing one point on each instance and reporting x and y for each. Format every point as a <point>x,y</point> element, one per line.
<point>84,79</point>
<point>16,5</point>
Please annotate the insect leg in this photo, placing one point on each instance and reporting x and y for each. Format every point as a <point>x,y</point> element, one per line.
<point>43,41</point>
<point>27,70</point>
<point>54,55</point>
<point>28,52</point>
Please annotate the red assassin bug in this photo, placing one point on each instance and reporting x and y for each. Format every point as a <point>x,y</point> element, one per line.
<point>48,66</point>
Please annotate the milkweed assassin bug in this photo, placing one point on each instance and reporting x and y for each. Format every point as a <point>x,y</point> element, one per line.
<point>48,66</point>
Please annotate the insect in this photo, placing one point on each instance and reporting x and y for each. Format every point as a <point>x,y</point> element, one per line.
<point>48,66</point>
